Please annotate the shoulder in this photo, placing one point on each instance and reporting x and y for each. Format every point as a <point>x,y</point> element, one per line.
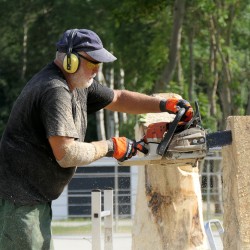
<point>50,77</point>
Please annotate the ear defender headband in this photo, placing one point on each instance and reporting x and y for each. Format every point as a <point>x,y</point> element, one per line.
<point>71,60</point>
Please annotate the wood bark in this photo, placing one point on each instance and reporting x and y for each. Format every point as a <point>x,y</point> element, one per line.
<point>169,207</point>
<point>236,185</point>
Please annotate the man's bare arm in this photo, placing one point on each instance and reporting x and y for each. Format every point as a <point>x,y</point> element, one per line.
<point>134,103</point>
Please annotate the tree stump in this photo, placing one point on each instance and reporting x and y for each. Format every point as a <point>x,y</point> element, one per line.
<point>236,185</point>
<point>168,214</point>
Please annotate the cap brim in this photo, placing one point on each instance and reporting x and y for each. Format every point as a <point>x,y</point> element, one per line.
<point>101,55</point>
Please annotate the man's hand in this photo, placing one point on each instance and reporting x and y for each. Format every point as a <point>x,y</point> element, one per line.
<point>123,148</point>
<point>172,105</point>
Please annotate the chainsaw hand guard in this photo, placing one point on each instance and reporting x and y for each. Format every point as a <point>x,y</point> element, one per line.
<point>192,139</point>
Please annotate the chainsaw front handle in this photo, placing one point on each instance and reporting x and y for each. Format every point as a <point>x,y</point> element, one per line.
<point>140,147</point>
<point>163,146</point>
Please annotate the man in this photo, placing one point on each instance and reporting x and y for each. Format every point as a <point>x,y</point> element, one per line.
<point>44,138</point>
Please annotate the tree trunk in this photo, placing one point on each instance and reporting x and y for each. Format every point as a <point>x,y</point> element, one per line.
<point>213,68</point>
<point>101,135</point>
<point>191,90</point>
<point>112,119</point>
<point>175,43</point>
<point>217,188</point>
<point>122,116</point>
<point>180,77</point>
<point>169,206</point>
<point>25,39</point>
<point>225,74</point>
<point>100,121</point>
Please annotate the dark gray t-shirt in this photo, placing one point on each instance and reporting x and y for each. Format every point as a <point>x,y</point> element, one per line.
<point>29,173</point>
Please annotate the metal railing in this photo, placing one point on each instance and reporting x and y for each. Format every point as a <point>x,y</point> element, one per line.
<point>101,174</point>
<point>211,185</point>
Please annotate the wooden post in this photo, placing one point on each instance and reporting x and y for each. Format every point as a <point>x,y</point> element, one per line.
<point>108,220</point>
<point>96,218</point>
<point>98,214</point>
<point>169,205</point>
<point>236,185</point>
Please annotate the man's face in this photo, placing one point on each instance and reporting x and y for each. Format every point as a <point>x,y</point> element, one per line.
<point>86,72</point>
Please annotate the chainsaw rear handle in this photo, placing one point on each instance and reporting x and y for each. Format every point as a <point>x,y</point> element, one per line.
<point>163,146</point>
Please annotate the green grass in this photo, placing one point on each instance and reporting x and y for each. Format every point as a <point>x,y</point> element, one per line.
<point>69,230</point>
<point>78,226</point>
<point>74,226</point>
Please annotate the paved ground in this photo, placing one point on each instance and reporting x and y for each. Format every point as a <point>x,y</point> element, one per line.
<point>121,242</point>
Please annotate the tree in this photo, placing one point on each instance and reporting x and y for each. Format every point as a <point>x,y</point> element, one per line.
<point>203,50</point>
<point>175,44</point>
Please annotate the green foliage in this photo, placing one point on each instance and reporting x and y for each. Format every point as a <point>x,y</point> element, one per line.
<point>139,27</point>
<point>208,122</point>
<point>127,129</point>
<point>138,32</point>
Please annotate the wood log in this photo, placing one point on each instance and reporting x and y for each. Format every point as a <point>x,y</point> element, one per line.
<point>168,214</point>
<point>236,185</point>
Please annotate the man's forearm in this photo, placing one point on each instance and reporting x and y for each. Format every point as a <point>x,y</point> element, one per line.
<point>134,103</point>
<point>81,153</point>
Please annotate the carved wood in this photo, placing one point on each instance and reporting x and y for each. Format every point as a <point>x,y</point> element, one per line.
<point>168,207</point>
<point>236,185</point>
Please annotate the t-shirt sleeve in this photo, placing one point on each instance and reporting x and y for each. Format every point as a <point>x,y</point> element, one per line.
<point>99,96</point>
<point>56,113</point>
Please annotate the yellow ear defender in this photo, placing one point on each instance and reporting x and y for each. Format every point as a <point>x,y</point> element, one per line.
<point>71,60</point>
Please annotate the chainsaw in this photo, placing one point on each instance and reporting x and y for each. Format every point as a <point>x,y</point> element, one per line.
<point>178,143</point>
